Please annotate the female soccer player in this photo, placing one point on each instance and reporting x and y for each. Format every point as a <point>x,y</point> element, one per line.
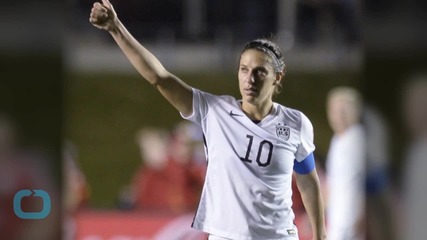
<point>253,145</point>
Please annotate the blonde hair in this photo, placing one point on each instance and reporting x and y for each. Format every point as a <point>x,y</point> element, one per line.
<point>349,95</point>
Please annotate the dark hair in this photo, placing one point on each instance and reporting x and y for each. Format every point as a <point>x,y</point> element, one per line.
<point>270,48</point>
<point>273,50</point>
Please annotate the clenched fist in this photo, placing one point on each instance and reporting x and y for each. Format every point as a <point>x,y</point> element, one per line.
<point>103,15</point>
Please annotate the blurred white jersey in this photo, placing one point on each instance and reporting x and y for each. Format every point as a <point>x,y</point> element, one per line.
<point>345,172</point>
<point>415,191</point>
<point>247,191</point>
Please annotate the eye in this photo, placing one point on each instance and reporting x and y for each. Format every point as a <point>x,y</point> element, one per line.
<point>244,69</point>
<point>261,72</point>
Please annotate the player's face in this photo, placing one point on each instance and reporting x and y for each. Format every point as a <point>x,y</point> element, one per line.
<point>415,103</point>
<point>341,114</point>
<point>257,78</point>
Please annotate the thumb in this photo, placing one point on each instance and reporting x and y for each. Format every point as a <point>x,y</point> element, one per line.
<point>107,4</point>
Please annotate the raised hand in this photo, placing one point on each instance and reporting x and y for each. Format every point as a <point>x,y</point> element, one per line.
<point>103,15</point>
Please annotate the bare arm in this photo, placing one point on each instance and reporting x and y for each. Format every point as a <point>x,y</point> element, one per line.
<point>171,87</point>
<point>309,187</point>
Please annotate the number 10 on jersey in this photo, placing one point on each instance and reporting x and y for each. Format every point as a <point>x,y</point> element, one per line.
<point>259,161</point>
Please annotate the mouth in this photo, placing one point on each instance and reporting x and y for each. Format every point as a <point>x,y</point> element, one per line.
<point>250,91</point>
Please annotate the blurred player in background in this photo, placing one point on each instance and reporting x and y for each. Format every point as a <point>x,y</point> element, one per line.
<point>147,189</point>
<point>358,165</point>
<point>75,190</point>
<point>21,168</point>
<point>414,187</point>
<point>170,179</point>
<point>380,217</point>
<point>253,145</point>
<point>345,166</point>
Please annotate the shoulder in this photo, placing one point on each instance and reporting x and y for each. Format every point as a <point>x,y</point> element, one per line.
<point>213,98</point>
<point>295,116</point>
<point>357,131</point>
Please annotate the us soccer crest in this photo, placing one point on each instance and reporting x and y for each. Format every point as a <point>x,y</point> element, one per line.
<point>283,132</point>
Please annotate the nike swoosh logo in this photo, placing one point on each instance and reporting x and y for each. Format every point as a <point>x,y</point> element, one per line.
<point>234,114</point>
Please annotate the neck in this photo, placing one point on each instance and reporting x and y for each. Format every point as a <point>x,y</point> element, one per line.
<point>344,129</point>
<point>257,111</point>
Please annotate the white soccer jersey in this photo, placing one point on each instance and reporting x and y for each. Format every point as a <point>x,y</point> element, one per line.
<point>247,191</point>
<point>345,169</point>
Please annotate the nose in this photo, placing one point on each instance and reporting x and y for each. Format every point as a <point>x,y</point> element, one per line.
<point>251,78</point>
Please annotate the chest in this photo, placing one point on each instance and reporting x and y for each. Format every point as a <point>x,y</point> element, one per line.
<point>267,148</point>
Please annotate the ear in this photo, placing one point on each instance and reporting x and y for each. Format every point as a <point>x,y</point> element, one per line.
<point>279,76</point>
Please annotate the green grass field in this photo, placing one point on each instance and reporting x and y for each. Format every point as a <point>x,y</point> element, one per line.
<point>102,113</point>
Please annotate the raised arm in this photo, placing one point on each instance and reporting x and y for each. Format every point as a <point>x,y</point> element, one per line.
<point>308,185</point>
<point>171,87</point>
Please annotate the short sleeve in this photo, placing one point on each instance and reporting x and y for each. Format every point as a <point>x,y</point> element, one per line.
<point>200,107</point>
<point>306,145</point>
